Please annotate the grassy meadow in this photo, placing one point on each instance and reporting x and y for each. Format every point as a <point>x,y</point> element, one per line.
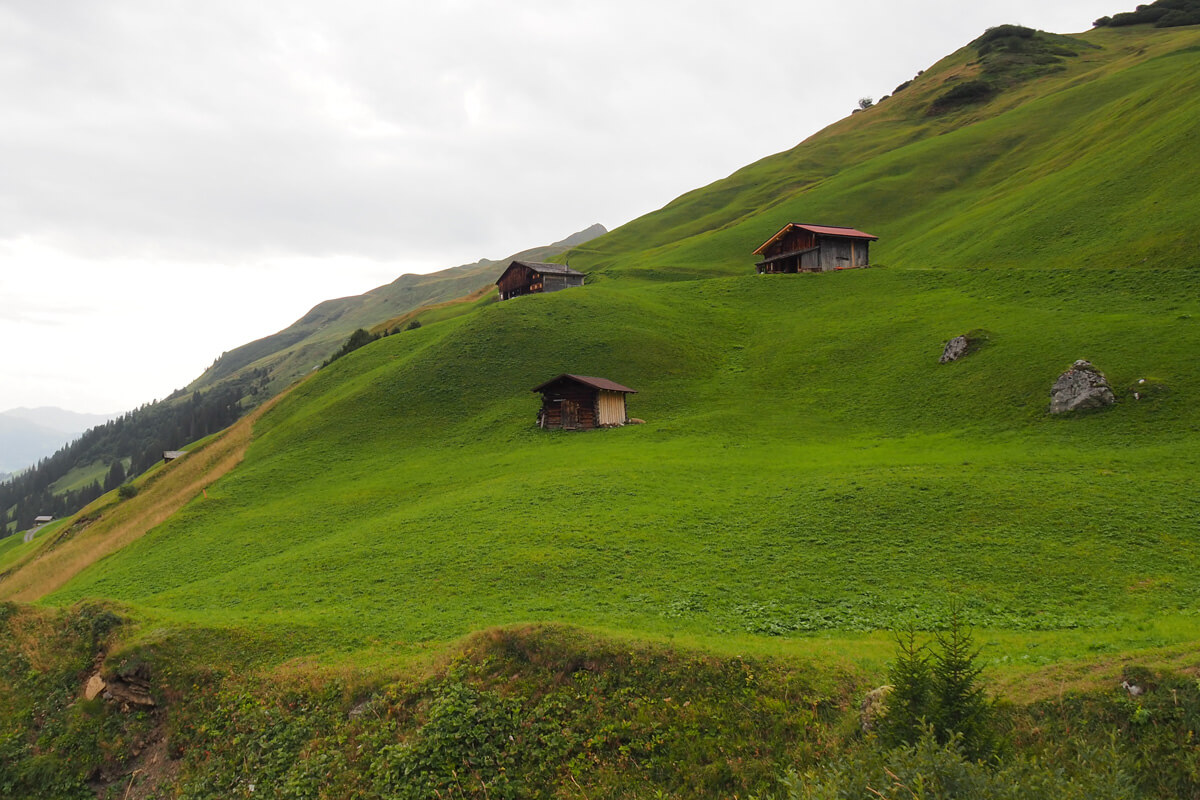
<point>807,468</point>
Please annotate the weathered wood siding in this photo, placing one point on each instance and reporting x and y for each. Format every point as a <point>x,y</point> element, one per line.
<point>555,283</point>
<point>518,281</point>
<point>795,240</point>
<point>611,407</point>
<point>521,280</point>
<point>804,251</point>
<point>862,253</point>
<point>553,397</point>
<point>838,253</point>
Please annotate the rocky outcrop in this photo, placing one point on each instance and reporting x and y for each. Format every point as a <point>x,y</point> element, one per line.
<point>1082,386</point>
<point>873,707</point>
<point>95,686</point>
<point>955,349</point>
<point>129,692</point>
<point>129,687</point>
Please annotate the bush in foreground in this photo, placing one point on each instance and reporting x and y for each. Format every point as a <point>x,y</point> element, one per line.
<point>931,770</point>
<point>936,691</point>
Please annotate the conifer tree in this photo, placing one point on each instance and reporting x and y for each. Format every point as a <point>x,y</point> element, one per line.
<point>910,702</point>
<point>937,690</point>
<point>115,477</point>
<point>960,705</point>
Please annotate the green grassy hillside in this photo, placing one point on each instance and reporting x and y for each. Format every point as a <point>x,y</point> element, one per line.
<point>372,603</point>
<point>808,466</point>
<point>1090,165</point>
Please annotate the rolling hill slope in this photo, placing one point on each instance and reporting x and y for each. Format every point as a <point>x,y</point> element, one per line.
<point>405,589</point>
<point>807,464</point>
<point>1090,165</point>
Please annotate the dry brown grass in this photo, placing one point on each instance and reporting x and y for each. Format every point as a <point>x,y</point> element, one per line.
<point>34,632</point>
<point>1095,674</point>
<point>161,495</point>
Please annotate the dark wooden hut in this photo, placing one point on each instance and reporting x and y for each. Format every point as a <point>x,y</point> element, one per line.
<point>532,277</point>
<point>580,403</point>
<point>814,248</point>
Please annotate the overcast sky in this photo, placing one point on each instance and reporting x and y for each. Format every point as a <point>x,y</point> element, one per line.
<point>179,178</point>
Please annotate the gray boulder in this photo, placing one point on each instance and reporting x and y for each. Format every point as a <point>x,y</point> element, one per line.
<point>1082,386</point>
<point>956,348</point>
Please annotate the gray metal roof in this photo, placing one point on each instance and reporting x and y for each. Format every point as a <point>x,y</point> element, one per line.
<point>545,269</point>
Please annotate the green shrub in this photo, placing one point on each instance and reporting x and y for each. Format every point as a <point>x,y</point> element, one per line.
<point>936,689</point>
<point>1177,19</point>
<point>931,770</point>
<point>910,701</point>
<point>360,338</point>
<point>473,741</point>
<point>960,706</point>
<point>1003,37</point>
<point>1162,14</point>
<point>963,94</point>
<point>126,491</point>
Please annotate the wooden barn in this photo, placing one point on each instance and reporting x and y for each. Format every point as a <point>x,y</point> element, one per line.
<point>580,403</point>
<point>814,248</point>
<point>532,277</point>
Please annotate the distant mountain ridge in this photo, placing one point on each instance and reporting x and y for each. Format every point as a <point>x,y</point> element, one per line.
<point>294,351</point>
<point>29,434</point>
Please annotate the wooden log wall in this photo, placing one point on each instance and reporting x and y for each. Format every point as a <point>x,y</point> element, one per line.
<point>552,399</point>
<point>791,242</point>
<point>517,282</point>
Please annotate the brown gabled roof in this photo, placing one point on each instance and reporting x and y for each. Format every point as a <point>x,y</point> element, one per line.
<point>820,230</point>
<point>595,383</point>
<point>542,267</point>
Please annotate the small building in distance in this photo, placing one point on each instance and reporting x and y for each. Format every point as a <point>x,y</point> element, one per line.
<point>814,248</point>
<point>45,519</point>
<point>533,277</point>
<point>580,403</point>
<point>171,455</point>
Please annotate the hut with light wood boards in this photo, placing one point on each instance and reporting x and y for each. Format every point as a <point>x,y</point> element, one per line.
<point>814,248</point>
<point>581,402</point>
